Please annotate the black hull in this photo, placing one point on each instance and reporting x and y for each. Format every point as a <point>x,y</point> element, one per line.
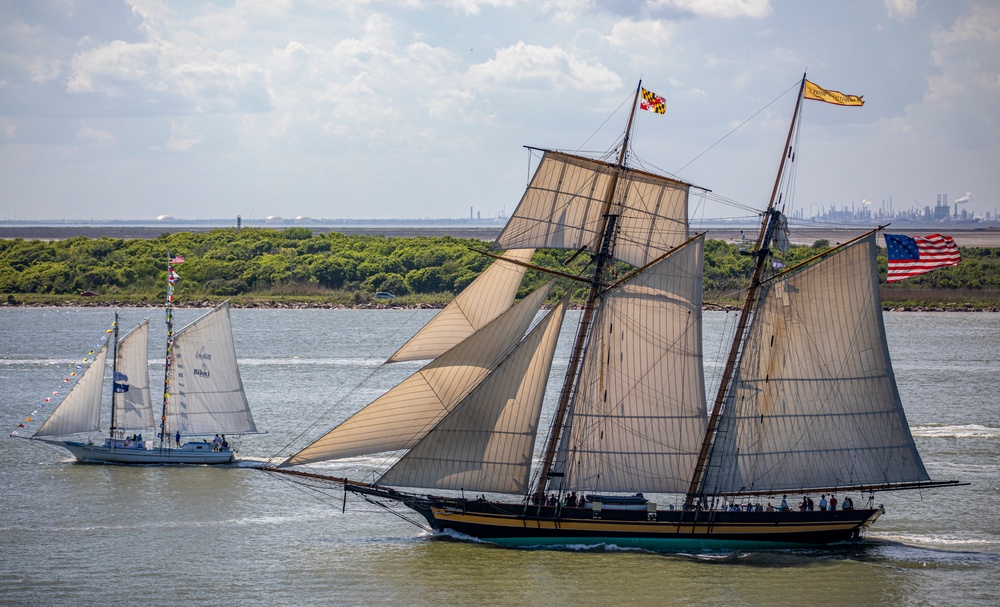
<point>516,526</point>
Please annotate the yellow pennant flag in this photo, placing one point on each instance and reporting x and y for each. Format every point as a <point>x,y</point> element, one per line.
<point>836,98</point>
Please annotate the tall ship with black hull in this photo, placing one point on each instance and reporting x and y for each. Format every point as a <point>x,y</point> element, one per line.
<point>634,456</point>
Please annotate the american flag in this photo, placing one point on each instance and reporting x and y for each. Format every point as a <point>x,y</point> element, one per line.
<point>919,255</point>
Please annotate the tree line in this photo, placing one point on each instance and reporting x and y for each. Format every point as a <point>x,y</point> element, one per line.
<point>296,262</point>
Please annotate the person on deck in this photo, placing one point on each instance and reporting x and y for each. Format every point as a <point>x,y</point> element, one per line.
<point>822,502</point>
<point>177,439</point>
<point>833,502</point>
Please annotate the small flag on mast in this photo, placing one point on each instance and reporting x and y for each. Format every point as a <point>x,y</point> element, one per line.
<point>919,255</point>
<point>835,97</point>
<point>652,102</point>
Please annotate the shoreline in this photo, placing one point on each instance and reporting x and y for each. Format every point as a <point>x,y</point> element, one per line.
<point>987,235</point>
<point>274,305</point>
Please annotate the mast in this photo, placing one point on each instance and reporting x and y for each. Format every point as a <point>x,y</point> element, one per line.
<point>603,251</point>
<point>763,249</point>
<point>114,375</point>
<point>170,351</point>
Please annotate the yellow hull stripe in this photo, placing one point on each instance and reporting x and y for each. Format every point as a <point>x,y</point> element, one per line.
<point>603,526</point>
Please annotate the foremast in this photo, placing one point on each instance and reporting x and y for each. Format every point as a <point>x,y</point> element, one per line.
<point>603,248</point>
<point>762,251</point>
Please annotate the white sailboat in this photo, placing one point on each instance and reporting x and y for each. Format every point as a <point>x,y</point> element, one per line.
<point>203,396</point>
<point>634,456</point>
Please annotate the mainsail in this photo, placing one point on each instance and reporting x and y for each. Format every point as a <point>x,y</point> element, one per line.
<point>484,299</point>
<point>133,408</point>
<point>80,411</point>
<point>207,391</point>
<point>403,415</point>
<point>639,414</point>
<point>565,203</point>
<point>485,443</point>
<point>814,403</point>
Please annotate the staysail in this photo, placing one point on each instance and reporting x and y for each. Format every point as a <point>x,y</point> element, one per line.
<point>485,443</point>
<point>639,413</point>
<point>207,391</point>
<point>133,408</point>
<point>80,411</point>
<point>814,402</point>
<point>484,299</point>
<point>403,415</point>
<point>564,206</point>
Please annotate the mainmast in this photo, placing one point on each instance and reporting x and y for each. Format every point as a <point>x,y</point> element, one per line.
<point>762,251</point>
<point>170,350</point>
<point>114,375</point>
<point>603,249</point>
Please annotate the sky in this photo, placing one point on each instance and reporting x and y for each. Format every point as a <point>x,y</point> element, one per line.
<point>419,109</point>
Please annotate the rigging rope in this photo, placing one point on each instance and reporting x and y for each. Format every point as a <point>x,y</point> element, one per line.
<point>322,418</point>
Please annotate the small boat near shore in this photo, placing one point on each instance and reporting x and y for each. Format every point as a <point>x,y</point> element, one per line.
<point>203,396</point>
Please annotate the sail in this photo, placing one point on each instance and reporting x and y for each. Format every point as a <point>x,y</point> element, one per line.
<point>484,299</point>
<point>80,411</point>
<point>133,408</point>
<point>563,207</point>
<point>206,388</point>
<point>814,403</point>
<point>404,414</point>
<point>485,443</point>
<point>639,414</point>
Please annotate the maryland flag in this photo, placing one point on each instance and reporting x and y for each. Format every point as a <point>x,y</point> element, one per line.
<point>836,98</point>
<point>652,102</point>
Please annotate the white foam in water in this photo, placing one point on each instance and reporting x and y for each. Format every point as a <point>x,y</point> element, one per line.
<point>968,431</point>
<point>934,540</point>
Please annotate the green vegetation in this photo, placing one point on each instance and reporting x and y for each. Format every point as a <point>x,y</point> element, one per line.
<point>271,267</point>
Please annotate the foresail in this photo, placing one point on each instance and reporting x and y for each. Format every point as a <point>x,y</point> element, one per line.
<point>814,401</point>
<point>133,408</point>
<point>485,443</point>
<point>403,415</point>
<point>80,411</point>
<point>206,388</point>
<point>639,414</point>
<point>563,207</point>
<point>484,299</point>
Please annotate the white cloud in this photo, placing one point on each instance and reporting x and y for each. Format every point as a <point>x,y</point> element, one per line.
<point>183,137</point>
<point>968,55</point>
<point>93,135</point>
<point>8,128</point>
<point>641,36</point>
<point>717,8</point>
<point>901,9</point>
<point>109,68</point>
<point>533,66</point>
